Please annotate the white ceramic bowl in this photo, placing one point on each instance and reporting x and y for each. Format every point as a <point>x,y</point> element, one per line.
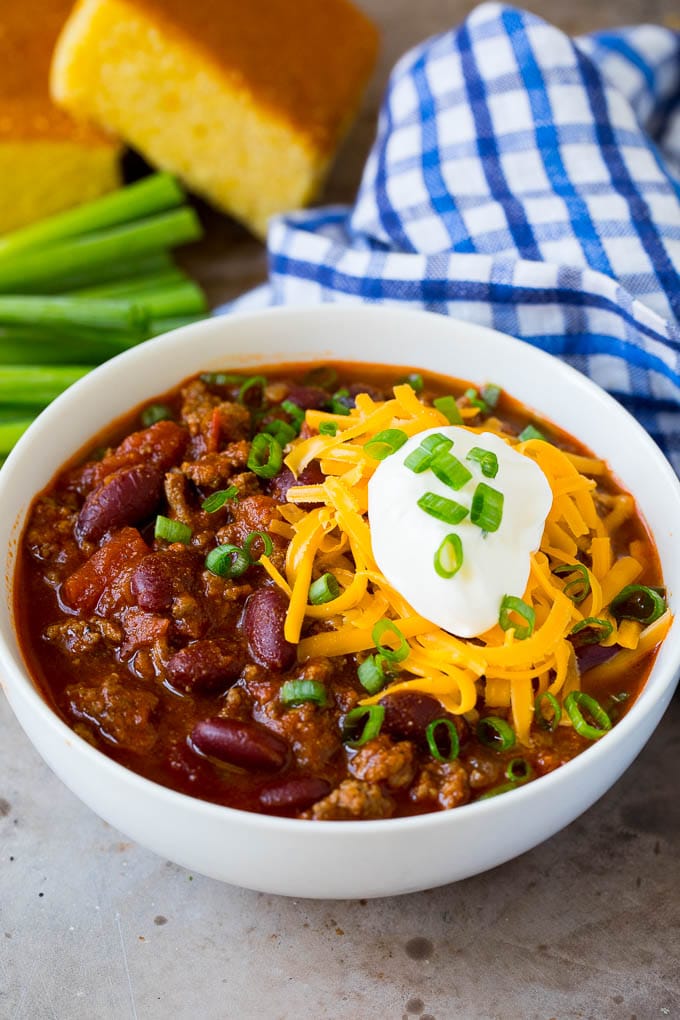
<point>339,859</point>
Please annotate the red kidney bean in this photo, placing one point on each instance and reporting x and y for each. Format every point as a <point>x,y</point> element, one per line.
<point>294,794</point>
<point>152,583</point>
<point>163,444</point>
<point>264,618</point>
<point>374,393</point>
<point>281,483</point>
<point>125,497</point>
<point>244,743</point>
<point>409,713</point>
<point>205,666</point>
<point>309,398</point>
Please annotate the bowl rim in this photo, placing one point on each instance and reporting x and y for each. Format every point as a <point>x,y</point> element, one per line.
<point>657,690</point>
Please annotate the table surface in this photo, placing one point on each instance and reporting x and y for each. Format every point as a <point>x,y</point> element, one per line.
<point>93,927</point>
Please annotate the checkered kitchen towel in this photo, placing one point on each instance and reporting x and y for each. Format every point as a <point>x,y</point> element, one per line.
<point>526,181</point>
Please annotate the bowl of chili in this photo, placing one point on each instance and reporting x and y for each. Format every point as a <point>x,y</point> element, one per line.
<point>207,647</point>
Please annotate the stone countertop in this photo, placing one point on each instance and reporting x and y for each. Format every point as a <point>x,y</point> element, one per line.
<point>584,927</point>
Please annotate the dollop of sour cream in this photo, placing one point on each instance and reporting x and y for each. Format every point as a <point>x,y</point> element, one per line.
<point>406,538</point>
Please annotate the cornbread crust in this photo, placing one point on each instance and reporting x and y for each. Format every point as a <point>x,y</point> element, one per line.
<point>247,102</point>
<point>48,160</point>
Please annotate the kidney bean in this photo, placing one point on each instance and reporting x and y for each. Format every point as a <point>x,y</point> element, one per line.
<point>409,713</point>
<point>205,666</point>
<point>308,397</point>
<point>125,497</point>
<point>244,743</point>
<point>281,483</point>
<point>374,393</point>
<point>294,794</point>
<point>152,583</point>
<point>264,617</point>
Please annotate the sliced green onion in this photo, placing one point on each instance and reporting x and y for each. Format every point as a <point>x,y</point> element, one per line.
<point>592,630</point>
<point>443,509</point>
<point>487,507</point>
<point>258,536</point>
<point>216,500</point>
<point>511,604</point>
<point>324,589</point>
<point>282,432</point>
<point>393,655</point>
<point>253,382</point>
<point>266,456</point>
<point>322,376</point>
<point>328,428</point>
<point>385,443</point>
<point>546,722</point>
<point>475,400</point>
<point>155,412</point>
<point>492,731</point>
<point>448,558</point>
<point>297,415</point>
<point>502,788</point>
<point>297,692</point>
<point>491,394</point>
<point>172,531</point>
<point>436,442</point>
<point>530,432</point>
<point>337,402</point>
<point>575,703</point>
<point>518,770</point>
<point>449,408</point>
<point>420,459</point>
<point>227,561</point>
<point>452,734</point>
<point>373,716</point>
<point>372,675</point>
<point>487,460</point>
<point>449,470</point>
<point>638,602</point>
<point>221,378</point>
<point>415,381</point>
<point>578,588</point>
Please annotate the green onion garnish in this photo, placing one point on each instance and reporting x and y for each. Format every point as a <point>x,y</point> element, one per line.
<point>227,561</point>
<point>491,394</point>
<point>373,716</point>
<point>436,442</point>
<point>328,428</point>
<point>216,500</point>
<point>324,589</point>
<point>387,627</point>
<point>449,470</point>
<point>448,558</point>
<point>282,431</point>
<point>545,721</point>
<point>443,509</point>
<point>592,630</point>
<point>495,732</point>
<point>251,383</point>
<point>322,376</point>
<point>337,402</point>
<point>518,770</point>
<point>415,381</point>
<point>475,400</point>
<point>266,456</point>
<point>575,703</point>
<point>371,673</point>
<point>449,408</point>
<point>172,531</point>
<point>221,378</point>
<point>420,459</point>
<point>297,692</point>
<point>385,443</point>
<point>487,507</point>
<point>487,460</point>
<point>496,790</point>
<point>258,536</point>
<point>638,602</point>
<point>511,604</point>
<point>530,432</point>
<point>578,588</point>
<point>155,412</point>
<point>451,734</point>
<point>297,415</point>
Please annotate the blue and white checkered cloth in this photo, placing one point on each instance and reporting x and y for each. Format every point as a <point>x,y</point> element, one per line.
<point>527,181</point>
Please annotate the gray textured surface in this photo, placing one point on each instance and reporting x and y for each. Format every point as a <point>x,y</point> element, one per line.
<point>92,927</point>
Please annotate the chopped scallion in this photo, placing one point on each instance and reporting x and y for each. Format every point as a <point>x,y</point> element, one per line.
<point>252,383</point>
<point>448,558</point>
<point>518,770</point>
<point>530,432</point>
<point>384,628</point>
<point>266,456</point>
<point>172,531</point>
<point>511,604</point>
<point>451,737</point>
<point>216,500</point>
<point>324,589</point>
<point>227,561</point>
<point>258,536</point>
<point>547,721</point>
<point>328,428</point>
<point>372,675</point>
<point>449,408</point>
<point>296,414</point>
<point>354,734</point>
<point>491,394</point>
<point>449,470</point>
<point>298,692</point>
<point>155,412</point>
<point>415,381</point>
<point>638,602</point>
<point>443,509</point>
<point>341,401</point>
<point>487,507</point>
<point>578,588</point>
<point>281,431</point>
<point>591,631</point>
<point>496,733</point>
<point>487,460</point>
<point>385,443</point>
<point>578,702</point>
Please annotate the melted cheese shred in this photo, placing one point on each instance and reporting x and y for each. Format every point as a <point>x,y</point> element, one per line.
<point>496,669</point>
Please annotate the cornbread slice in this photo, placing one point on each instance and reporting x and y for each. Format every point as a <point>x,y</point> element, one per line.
<point>246,102</point>
<point>48,161</point>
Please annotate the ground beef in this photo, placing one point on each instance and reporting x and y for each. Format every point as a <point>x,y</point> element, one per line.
<point>215,470</point>
<point>383,761</point>
<point>81,637</point>
<point>352,799</point>
<point>443,783</point>
<point>121,711</point>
